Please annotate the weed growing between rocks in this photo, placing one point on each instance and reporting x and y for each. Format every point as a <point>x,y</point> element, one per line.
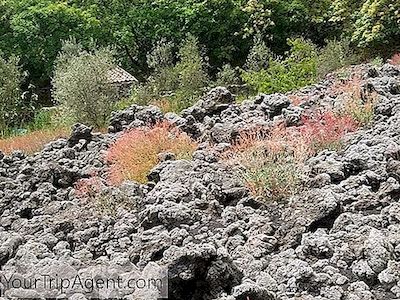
<point>271,161</point>
<point>136,152</point>
<point>324,131</point>
<point>104,199</point>
<point>356,105</point>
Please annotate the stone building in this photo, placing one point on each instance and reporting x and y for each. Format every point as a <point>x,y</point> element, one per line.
<point>122,79</point>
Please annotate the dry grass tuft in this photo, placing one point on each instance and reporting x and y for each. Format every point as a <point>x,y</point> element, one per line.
<point>135,153</point>
<point>32,142</point>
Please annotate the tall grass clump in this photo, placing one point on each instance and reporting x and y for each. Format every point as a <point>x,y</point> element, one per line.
<point>135,153</point>
<point>355,104</point>
<point>271,161</point>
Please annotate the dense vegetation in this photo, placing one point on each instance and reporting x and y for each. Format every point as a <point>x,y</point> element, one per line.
<point>179,48</point>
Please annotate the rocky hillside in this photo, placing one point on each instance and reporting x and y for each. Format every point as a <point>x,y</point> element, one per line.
<point>338,239</point>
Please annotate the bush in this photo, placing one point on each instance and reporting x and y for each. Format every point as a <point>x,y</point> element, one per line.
<point>259,55</point>
<point>161,60</point>
<point>192,71</point>
<point>297,70</point>
<point>135,153</point>
<point>11,103</point>
<point>80,83</point>
<point>227,76</point>
<point>336,54</point>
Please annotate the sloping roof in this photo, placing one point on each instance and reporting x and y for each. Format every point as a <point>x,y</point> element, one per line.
<point>119,75</point>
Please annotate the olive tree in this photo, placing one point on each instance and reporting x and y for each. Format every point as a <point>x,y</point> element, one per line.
<point>81,83</point>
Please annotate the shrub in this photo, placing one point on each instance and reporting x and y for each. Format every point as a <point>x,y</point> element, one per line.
<point>192,71</point>
<point>182,83</point>
<point>31,142</point>
<point>161,60</point>
<point>259,55</point>
<point>227,76</point>
<point>298,69</point>
<point>335,55</point>
<point>135,153</point>
<point>80,83</point>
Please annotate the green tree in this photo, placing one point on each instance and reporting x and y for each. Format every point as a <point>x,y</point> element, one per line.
<point>369,23</point>
<point>81,84</point>
<point>36,28</point>
<point>11,102</point>
<point>192,70</point>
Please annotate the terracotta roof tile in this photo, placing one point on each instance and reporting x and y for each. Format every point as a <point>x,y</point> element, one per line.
<point>119,75</point>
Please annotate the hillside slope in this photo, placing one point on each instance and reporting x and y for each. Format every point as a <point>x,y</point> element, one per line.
<point>337,239</point>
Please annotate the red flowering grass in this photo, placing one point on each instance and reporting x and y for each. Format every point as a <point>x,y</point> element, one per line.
<point>33,141</point>
<point>395,59</point>
<point>268,161</point>
<point>271,161</point>
<point>325,130</point>
<point>135,153</point>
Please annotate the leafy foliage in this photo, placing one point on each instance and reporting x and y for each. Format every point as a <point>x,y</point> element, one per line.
<point>14,110</point>
<point>192,70</point>
<point>334,55</point>
<point>259,55</point>
<point>298,69</point>
<point>227,76</point>
<point>180,84</point>
<point>81,84</point>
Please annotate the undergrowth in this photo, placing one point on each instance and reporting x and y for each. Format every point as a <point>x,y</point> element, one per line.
<point>33,141</point>
<point>271,161</point>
